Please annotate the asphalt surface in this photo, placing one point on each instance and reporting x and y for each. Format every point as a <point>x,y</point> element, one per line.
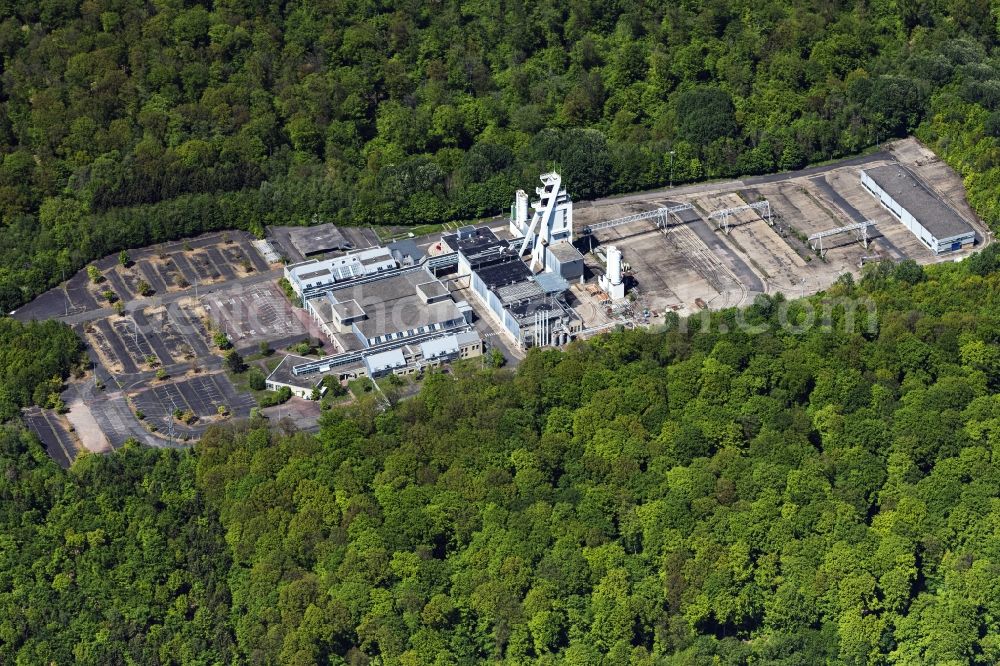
<point>184,267</point>
<point>257,261</point>
<point>57,441</point>
<point>717,245</point>
<point>221,265</point>
<point>854,214</point>
<point>154,341</point>
<point>749,181</point>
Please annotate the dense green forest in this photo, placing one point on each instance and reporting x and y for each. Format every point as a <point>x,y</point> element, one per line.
<point>35,358</point>
<point>124,123</point>
<point>726,491</point>
<point>765,495</point>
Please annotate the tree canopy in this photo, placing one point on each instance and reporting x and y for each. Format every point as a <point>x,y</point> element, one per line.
<point>738,494</point>
<point>126,123</point>
<point>35,358</point>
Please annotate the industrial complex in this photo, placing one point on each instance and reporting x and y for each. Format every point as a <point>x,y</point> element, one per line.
<point>357,306</point>
<point>539,280</point>
<point>393,309</point>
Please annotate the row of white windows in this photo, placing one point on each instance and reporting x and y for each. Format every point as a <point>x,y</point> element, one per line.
<point>405,334</point>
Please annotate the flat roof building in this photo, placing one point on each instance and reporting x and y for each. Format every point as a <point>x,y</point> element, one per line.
<point>311,279</point>
<point>937,225</point>
<point>394,307</point>
<point>402,359</point>
<point>530,308</point>
<point>320,239</point>
<point>477,247</point>
<point>282,376</point>
<point>565,260</point>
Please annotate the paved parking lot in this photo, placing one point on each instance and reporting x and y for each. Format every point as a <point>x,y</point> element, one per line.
<point>56,439</point>
<point>200,395</point>
<point>134,341</point>
<point>112,347</point>
<point>254,314</point>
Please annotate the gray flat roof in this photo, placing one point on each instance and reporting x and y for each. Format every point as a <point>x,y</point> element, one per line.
<point>446,344</point>
<point>392,304</point>
<point>312,274</point>
<point>283,373</point>
<point>565,251</point>
<point>906,189</point>
<point>323,309</point>
<point>406,247</point>
<point>385,360</point>
<point>433,288</point>
<point>551,283</point>
<point>407,314</point>
<point>318,239</point>
<point>348,309</point>
<point>384,290</point>
<point>519,291</point>
<point>347,341</point>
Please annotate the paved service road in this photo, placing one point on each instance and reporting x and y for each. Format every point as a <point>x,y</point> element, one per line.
<point>722,185</point>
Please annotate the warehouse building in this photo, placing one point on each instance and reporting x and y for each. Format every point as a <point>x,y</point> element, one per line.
<point>319,239</point>
<point>937,225</point>
<point>311,279</point>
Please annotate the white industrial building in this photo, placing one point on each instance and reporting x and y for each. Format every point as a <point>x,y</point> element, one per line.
<point>400,305</point>
<point>550,223</point>
<point>282,377</point>
<point>385,312</point>
<point>312,278</point>
<point>937,225</point>
<point>530,308</point>
<point>401,360</point>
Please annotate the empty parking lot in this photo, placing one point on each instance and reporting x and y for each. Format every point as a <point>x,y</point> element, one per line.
<point>201,395</point>
<point>254,314</point>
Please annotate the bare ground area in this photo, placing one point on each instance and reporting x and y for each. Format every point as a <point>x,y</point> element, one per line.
<point>86,428</point>
<point>722,269</point>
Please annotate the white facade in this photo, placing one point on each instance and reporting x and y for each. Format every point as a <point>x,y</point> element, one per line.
<point>310,277</point>
<point>281,377</point>
<point>932,222</point>
<point>613,282</point>
<point>551,222</point>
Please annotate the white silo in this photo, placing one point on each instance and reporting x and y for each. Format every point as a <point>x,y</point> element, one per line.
<point>612,282</point>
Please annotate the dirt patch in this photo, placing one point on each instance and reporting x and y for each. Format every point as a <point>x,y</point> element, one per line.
<point>86,428</point>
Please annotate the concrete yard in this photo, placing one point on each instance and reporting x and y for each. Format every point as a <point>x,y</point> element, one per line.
<point>695,263</point>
